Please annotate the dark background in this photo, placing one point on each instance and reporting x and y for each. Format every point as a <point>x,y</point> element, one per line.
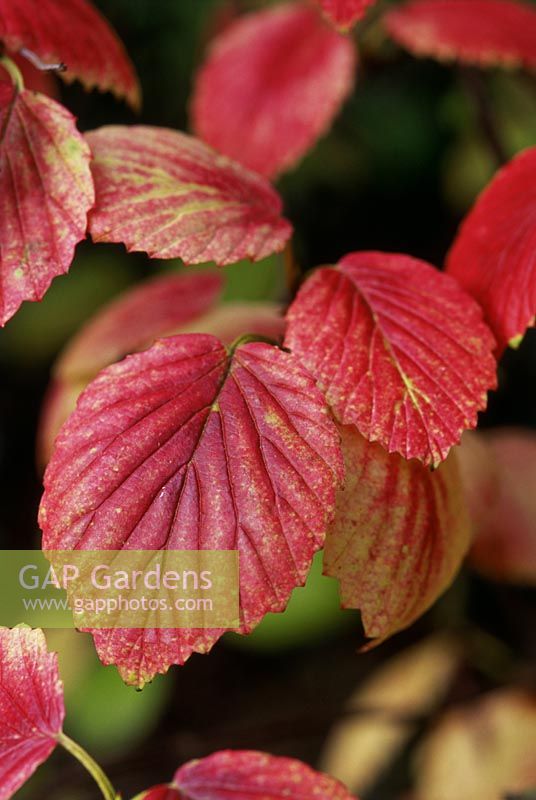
<point>403,163</point>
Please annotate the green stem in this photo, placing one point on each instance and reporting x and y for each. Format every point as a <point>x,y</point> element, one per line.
<point>14,72</point>
<point>108,791</point>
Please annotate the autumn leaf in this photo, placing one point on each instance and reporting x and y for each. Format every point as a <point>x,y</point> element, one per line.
<point>493,255</point>
<point>271,86</point>
<point>344,13</point>
<point>499,476</point>
<point>72,32</point>
<point>398,538</point>
<point>383,713</point>
<point>170,195</point>
<point>31,706</point>
<point>399,349</point>
<point>200,449</point>
<point>491,743</point>
<point>247,774</point>
<point>166,305</point>
<point>481,32</point>
<point>46,191</point>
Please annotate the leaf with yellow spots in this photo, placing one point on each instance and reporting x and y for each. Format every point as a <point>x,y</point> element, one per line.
<point>248,775</point>
<point>203,449</point>
<point>398,348</point>
<point>399,535</point>
<point>46,191</point>
<point>170,195</point>
<point>31,706</point>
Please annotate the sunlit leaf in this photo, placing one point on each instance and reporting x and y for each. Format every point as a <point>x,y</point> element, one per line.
<point>272,84</point>
<point>344,13</point>
<point>72,32</point>
<point>46,191</point>
<point>31,706</point>
<point>481,751</point>
<point>499,476</point>
<point>200,449</point>
<point>399,535</point>
<point>170,195</point>
<point>399,349</point>
<point>481,32</point>
<point>493,256</point>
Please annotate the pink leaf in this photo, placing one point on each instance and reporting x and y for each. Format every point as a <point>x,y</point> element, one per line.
<point>399,536</point>
<point>72,32</point>
<point>201,449</point>
<point>46,191</point>
<point>31,706</point>
<point>344,13</point>
<point>399,349</point>
<point>493,254</point>
<point>271,86</point>
<point>481,32</point>
<point>170,195</point>
<point>249,775</point>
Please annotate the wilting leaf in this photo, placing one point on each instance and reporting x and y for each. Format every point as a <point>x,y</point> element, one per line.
<point>170,195</point>
<point>72,32</point>
<point>398,348</point>
<point>481,32</point>
<point>246,774</point>
<point>493,254</point>
<point>199,449</point>
<point>499,478</point>
<point>383,713</point>
<point>179,303</point>
<point>483,751</point>
<point>46,190</point>
<point>399,535</point>
<point>272,84</point>
<point>31,706</point>
<point>344,13</point>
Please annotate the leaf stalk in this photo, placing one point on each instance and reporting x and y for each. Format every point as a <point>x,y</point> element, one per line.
<point>100,778</point>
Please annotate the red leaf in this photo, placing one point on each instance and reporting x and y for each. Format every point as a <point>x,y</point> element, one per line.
<point>482,32</point>
<point>493,254</point>
<point>399,535</point>
<point>166,305</point>
<point>499,476</point>
<point>75,33</point>
<point>170,195</point>
<point>130,323</point>
<point>398,348</point>
<point>31,706</point>
<point>271,86</point>
<point>46,191</point>
<point>249,775</point>
<point>201,449</point>
<point>344,13</point>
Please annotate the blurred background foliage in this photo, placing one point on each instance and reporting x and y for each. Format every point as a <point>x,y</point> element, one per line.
<point>408,154</point>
